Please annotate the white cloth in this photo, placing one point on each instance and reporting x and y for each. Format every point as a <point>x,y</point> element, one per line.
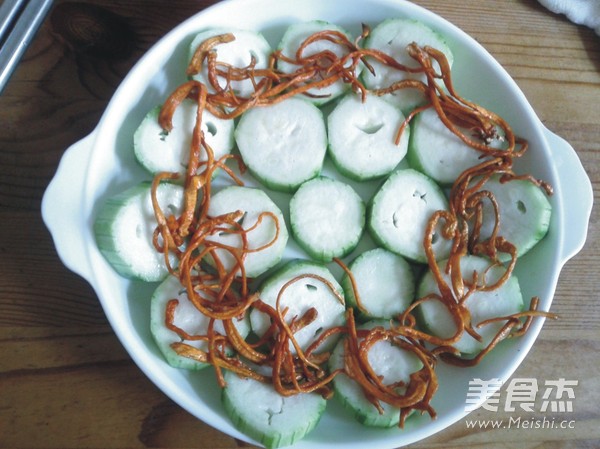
<point>582,12</point>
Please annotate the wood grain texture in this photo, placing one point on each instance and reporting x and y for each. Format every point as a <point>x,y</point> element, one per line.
<point>65,379</point>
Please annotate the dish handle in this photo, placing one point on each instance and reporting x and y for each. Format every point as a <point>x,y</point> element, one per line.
<point>576,193</point>
<point>61,207</point>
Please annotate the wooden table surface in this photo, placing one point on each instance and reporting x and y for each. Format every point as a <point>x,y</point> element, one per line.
<point>66,381</point>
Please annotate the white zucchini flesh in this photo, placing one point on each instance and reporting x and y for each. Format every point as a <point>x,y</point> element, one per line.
<point>504,301</point>
<point>186,317</point>
<point>252,202</point>
<point>327,218</point>
<point>440,154</point>
<point>362,137</point>
<point>399,213</point>
<point>385,282</point>
<point>284,144</point>
<point>394,364</point>
<point>161,151</point>
<point>392,36</point>
<point>239,53</point>
<point>299,297</point>
<point>125,225</point>
<point>256,409</point>
<point>294,36</point>
<point>525,213</point>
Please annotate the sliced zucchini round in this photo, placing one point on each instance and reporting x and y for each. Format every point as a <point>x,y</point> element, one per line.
<point>399,213</point>
<point>482,305</point>
<point>392,363</point>
<point>300,296</point>
<point>249,47</point>
<point>259,411</point>
<point>125,226</point>
<point>392,36</point>
<point>186,317</point>
<point>254,203</point>
<point>284,144</point>
<point>385,282</point>
<point>161,151</point>
<point>525,213</point>
<point>327,218</point>
<point>362,137</point>
<point>291,41</point>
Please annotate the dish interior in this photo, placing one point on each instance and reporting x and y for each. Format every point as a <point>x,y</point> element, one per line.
<point>112,168</point>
